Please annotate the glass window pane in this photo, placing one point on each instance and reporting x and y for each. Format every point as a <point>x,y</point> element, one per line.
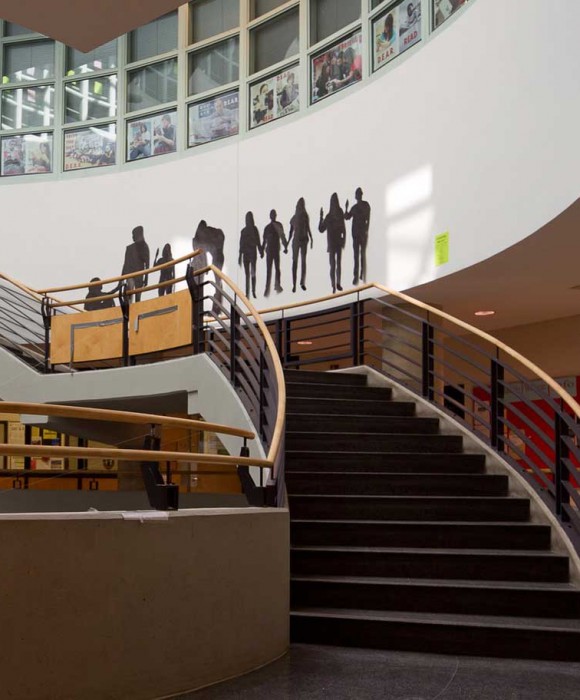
<point>153,85</point>
<point>154,38</point>
<point>330,16</point>
<point>29,106</point>
<point>102,58</point>
<point>260,7</point>
<point>33,60</point>
<point>217,65</point>
<point>443,9</point>
<point>274,41</point>
<point>26,155</point>
<point>212,17</point>
<point>13,29</point>
<point>95,98</point>
<point>90,148</point>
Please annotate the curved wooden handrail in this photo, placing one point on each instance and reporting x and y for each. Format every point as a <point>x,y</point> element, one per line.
<point>23,288</point>
<point>281,407</point>
<point>120,278</point>
<point>528,364</point>
<point>128,455</point>
<point>128,417</point>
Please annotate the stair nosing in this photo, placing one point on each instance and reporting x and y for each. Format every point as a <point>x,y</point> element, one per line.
<point>432,551</point>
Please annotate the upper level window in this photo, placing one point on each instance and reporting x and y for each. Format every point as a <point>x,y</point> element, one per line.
<point>31,60</point>
<point>443,9</point>
<point>102,58</point>
<point>157,37</point>
<point>213,66</point>
<point>93,98</point>
<point>29,106</point>
<point>274,40</point>
<point>13,29</point>
<point>153,85</point>
<point>260,7</point>
<point>330,16</point>
<point>212,17</point>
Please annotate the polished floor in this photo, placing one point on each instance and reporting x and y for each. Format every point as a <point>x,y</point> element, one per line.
<point>336,673</point>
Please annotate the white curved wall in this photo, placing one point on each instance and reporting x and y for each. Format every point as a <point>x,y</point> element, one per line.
<point>474,132</point>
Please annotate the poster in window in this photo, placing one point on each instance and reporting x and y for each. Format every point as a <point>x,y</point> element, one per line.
<point>336,68</point>
<point>93,147</point>
<point>214,119</point>
<point>151,135</point>
<point>26,155</point>
<point>395,31</point>
<point>443,9</point>
<point>274,97</point>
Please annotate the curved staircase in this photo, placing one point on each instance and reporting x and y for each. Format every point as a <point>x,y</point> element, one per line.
<point>400,540</point>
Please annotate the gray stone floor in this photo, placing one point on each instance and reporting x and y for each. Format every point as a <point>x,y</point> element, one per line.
<point>336,673</point>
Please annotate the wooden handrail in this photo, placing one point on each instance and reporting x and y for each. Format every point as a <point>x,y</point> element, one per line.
<point>281,407</point>
<point>128,455</point>
<point>532,367</point>
<point>120,278</point>
<point>128,417</point>
<point>22,287</point>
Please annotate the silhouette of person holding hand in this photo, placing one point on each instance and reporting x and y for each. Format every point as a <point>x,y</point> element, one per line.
<point>361,218</point>
<point>136,259</point>
<point>273,237</point>
<point>333,224</point>
<point>168,273</point>
<point>299,235</point>
<point>97,291</point>
<point>249,248</point>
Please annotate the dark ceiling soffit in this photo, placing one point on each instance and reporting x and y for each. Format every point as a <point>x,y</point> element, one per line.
<point>84,24</point>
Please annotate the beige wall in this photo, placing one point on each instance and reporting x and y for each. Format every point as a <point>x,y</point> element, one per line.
<point>96,606</point>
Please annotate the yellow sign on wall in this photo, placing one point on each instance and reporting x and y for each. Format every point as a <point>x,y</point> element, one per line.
<point>442,249</point>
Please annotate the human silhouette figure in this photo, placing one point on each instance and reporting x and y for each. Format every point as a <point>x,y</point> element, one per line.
<point>249,248</point>
<point>299,235</point>
<point>97,291</point>
<point>168,273</point>
<point>136,259</point>
<point>273,236</point>
<point>333,224</point>
<point>211,241</point>
<point>361,218</point>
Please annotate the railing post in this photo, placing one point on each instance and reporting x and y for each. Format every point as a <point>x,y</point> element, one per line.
<point>196,310</point>
<point>162,495</point>
<point>279,336</point>
<point>262,406</point>
<point>124,304</point>
<point>561,473</point>
<point>46,311</point>
<point>287,343</point>
<point>356,332</point>
<point>234,322</point>
<point>497,406</point>
<point>427,361</point>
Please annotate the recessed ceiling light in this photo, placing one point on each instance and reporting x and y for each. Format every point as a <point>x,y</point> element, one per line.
<point>303,342</point>
<point>484,313</point>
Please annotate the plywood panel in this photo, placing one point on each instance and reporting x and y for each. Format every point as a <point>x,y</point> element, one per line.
<point>97,335</point>
<point>160,323</point>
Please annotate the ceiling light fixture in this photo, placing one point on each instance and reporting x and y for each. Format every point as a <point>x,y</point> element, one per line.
<point>484,313</point>
<point>303,342</point>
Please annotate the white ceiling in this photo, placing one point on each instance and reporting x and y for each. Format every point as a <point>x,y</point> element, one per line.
<point>84,24</point>
<point>529,282</point>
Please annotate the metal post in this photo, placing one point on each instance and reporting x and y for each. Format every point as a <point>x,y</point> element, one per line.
<point>561,475</point>
<point>234,321</point>
<point>428,361</point>
<point>46,311</point>
<point>196,310</point>
<point>356,332</point>
<point>497,407</point>
<point>287,342</point>
<point>124,304</point>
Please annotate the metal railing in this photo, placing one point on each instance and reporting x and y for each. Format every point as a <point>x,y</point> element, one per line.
<point>503,398</point>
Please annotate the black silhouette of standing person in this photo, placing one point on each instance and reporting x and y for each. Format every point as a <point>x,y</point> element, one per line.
<point>136,259</point>
<point>273,237</point>
<point>300,230</point>
<point>250,246</point>
<point>333,224</point>
<point>211,241</point>
<point>361,218</point>
<point>168,273</point>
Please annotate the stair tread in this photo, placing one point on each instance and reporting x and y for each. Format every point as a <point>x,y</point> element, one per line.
<point>514,553</point>
<point>425,523</point>
<point>451,619</point>
<point>312,474</point>
<point>556,587</point>
<point>502,499</point>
